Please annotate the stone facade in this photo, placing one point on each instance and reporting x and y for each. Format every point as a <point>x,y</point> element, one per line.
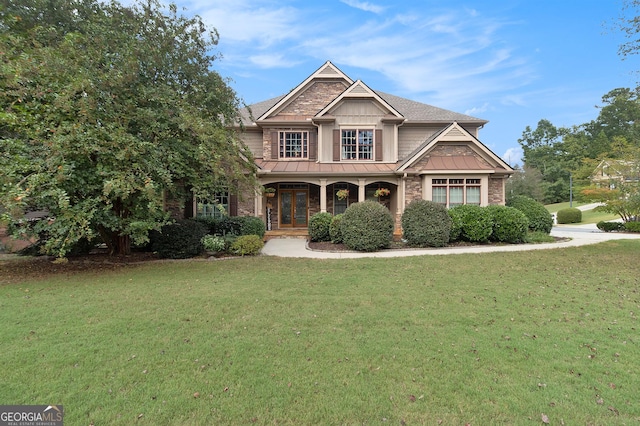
<point>314,99</point>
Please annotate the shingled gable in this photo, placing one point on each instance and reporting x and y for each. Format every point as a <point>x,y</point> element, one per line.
<point>484,161</point>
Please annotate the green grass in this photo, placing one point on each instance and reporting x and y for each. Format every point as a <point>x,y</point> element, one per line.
<point>482,339</point>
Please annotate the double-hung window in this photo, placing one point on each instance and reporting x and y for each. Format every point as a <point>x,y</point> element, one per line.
<point>356,144</point>
<point>217,208</point>
<point>294,144</point>
<point>455,192</point>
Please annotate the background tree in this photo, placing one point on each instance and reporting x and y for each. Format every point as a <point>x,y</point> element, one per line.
<point>107,110</point>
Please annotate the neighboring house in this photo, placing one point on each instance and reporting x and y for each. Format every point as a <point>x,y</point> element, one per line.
<point>611,173</point>
<point>331,134</point>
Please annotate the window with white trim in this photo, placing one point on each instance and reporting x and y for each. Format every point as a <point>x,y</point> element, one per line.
<point>217,208</point>
<point>455,192</point>
<point>294,144</point>
<point>356,144</point>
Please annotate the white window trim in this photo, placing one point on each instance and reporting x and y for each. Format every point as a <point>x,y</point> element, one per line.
<point>282,149</point>
<point>357,128</point>
<point>427,186</point>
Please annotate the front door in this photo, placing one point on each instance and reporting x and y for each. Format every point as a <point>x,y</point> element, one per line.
<point>294,207</point>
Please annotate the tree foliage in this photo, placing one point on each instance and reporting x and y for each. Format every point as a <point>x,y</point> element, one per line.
<point>107,110</point>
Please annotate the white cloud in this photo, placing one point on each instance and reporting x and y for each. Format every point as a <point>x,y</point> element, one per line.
<point>513,156</point>
<point>364,5</point>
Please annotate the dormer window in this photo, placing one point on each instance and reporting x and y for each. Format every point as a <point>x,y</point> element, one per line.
<point>356,144</point>
<point>294,144</point>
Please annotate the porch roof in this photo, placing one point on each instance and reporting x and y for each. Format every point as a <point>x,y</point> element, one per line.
<point>313,168</point>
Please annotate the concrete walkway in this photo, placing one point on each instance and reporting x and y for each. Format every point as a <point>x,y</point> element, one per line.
<point>578,235</point>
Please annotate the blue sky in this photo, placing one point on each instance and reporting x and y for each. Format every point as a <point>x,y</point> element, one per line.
<point>511,62</point>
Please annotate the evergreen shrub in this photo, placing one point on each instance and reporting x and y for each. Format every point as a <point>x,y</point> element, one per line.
<point>334,229</point>
<point>179,240</point>
<point>632,226</point>
<point>426,224</point>
<point>510,225</point>
<point>367,226</point>
<point>319,225</point>
<point>569,215</point>
<point>610,226</point>
<point>539,217</point>
<point>471,223</point>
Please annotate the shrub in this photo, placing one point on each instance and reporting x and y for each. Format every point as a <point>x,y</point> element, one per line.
<point>367,226</point>
<point>471,223</point>
<point>426,224</point>
<point>539,218</point>
<point>247,245</point>
<point>610,226</point>
<point>319,225</point>
<point>569,215</point>
<point>233,225</point>
<point>179,240</point>
<point>334,229</point>
<point>251,225</point>
<point>213,243</point>
<point>632,226</point>
<point>510,225</point>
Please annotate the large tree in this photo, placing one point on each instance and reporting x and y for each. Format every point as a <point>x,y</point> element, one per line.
<point>106,110</point>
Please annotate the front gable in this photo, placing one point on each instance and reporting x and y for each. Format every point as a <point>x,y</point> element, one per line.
<point>453,150</point>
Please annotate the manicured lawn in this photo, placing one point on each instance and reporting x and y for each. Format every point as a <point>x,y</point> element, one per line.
<point>588,216</point>
<point>481,339</point>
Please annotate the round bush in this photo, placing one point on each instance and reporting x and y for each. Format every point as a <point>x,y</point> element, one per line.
<point>426,224</point>
<point>367,226</point>
<point>319,225</point>
<point>510,225</point>
<point>539,218</point>
<point>471,223</point>
<point>251,225</point>
<point>334,229</point>
<point>179,240</point>
<point>247,245</point>
<point>570,215</point>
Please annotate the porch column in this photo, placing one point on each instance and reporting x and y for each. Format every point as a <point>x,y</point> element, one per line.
<point>323,195</point>
<point>361,194</point>
<point>258,205</point>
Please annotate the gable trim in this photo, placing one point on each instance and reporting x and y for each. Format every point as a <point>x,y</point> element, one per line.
<point>442,136</point>
<point>360,90</point>
<point>327,70</point>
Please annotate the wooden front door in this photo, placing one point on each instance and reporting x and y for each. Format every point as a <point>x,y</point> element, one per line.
<point>294,208</point>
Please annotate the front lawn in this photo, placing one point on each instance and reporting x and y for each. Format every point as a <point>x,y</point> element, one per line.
<point>482,339</point>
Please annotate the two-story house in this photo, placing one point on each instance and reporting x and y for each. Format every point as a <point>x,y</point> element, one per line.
<point>332,141</point>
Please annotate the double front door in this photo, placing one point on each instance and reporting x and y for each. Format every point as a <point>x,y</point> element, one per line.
<point>294,207</point>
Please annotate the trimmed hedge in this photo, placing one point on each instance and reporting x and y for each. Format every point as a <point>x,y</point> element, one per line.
<point>319,225</point>
<point>539,217</point>
<point>367,226</point>
<point>334,229</point>
<point>179,240</point>
<point>235,225</point>
<point>569,215</point>
<point>510,225</point>
<point>470,223</point>
<point>610,226</point>
<point>426,224</point>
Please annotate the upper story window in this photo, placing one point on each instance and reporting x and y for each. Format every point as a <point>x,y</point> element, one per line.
<point>356,144</point>
<point>294,144</point>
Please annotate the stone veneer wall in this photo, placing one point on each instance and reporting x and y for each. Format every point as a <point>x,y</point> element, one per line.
<point>314,99</point>
<point>496,191</point>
